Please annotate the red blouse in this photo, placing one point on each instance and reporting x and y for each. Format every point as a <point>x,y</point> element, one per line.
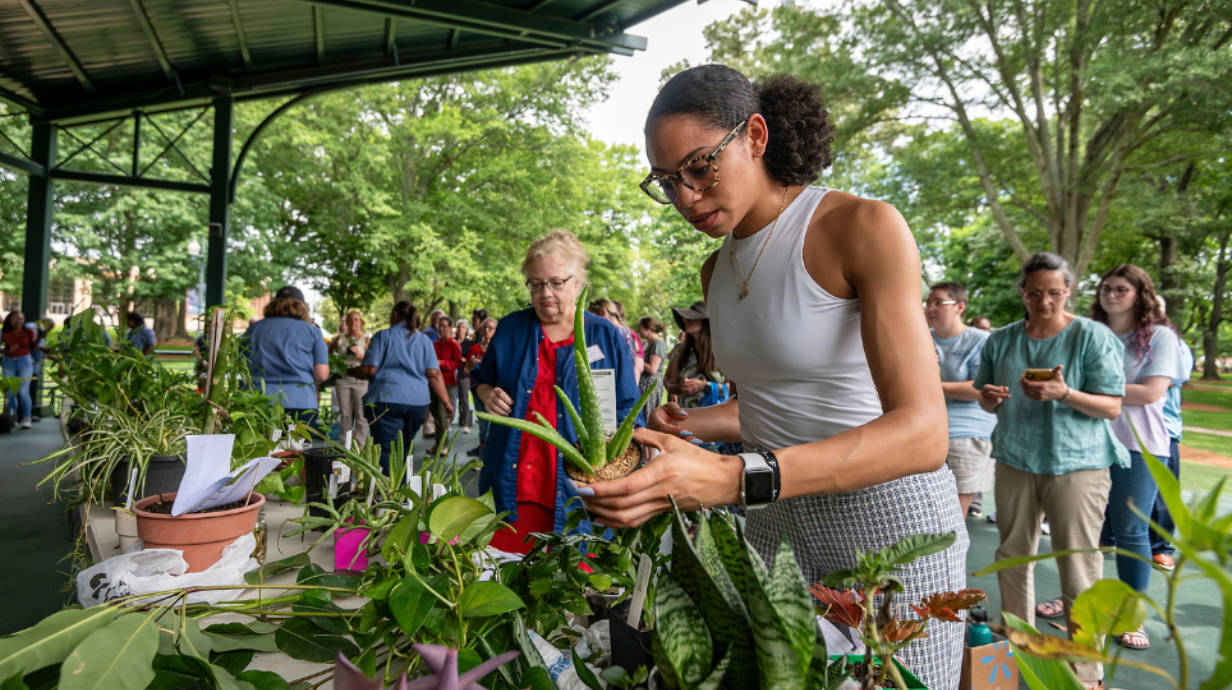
<point>449,355</point>
<point>537,459</point>
<point>20,342</point>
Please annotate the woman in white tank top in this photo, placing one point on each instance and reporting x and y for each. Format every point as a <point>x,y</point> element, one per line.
<point>814,298</point>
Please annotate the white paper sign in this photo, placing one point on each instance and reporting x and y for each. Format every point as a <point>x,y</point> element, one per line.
<point>207,483</point>
<point>605,386</point>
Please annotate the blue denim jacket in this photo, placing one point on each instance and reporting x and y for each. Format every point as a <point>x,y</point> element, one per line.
<point>512,364</point>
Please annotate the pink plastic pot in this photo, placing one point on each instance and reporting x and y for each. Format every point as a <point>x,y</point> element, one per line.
<point>347,552</point>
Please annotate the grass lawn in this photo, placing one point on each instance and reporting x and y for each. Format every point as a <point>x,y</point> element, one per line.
<point>1211,442</point>
<point>1207,397</point>
<point>1208,420</point>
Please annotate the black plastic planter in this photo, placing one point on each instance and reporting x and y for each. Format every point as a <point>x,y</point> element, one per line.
<point>7,422</point>
<point>162,476</point>
<point>630,646</point>
<point>318,466</point>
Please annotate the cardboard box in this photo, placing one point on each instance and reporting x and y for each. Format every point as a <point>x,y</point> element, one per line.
<point>990,667</point>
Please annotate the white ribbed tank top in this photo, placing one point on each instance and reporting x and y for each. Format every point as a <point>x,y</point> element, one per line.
<point>793,349</point>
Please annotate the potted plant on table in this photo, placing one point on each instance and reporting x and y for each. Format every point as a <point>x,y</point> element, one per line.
<point>596,456</point>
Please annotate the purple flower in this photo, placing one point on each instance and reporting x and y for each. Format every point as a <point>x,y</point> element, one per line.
<point>442,662</point>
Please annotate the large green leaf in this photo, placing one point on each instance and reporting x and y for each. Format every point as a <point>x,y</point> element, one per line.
<point>263,680</point>
<point>488,599</point>
<point>729,547</point>
<point>683,638</point>
<point>708,551</point>
<point>588,395</point>
<point>51,640</point>
<point>450,516</point>
<point>300,639</point>
<point>482,524</point>
<point>917,546</point>
<point>1109,607</point>
<point>117,656</point>
<point>544,433</point>
<point>272,568</point>
<point>411,602</point>
<point>1042,674</point>
<point>783,621</point>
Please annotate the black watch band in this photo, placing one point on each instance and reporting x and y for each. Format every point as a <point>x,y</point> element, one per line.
<point>773,462</point>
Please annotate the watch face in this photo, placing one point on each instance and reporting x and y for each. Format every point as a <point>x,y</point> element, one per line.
<point>758,486</point>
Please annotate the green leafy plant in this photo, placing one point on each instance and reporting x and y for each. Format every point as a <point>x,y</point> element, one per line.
<point>1203,542</point>
<point>882,630</point>
<point>597,450</point>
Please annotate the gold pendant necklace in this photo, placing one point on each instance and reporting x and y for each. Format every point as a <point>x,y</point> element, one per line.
<point>735,260</point>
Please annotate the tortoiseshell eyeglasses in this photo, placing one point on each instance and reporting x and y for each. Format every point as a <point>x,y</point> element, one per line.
<point>699,174</point>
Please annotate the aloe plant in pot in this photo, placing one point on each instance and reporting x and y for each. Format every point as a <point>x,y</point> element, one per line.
<point>596,456</point>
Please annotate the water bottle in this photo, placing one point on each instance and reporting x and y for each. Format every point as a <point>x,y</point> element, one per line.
<point>978,633</point>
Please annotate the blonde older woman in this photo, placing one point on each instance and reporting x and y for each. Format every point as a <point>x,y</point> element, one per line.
<point>351,342</point>
<point>531,353</point>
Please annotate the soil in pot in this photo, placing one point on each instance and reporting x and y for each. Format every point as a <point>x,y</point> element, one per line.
<point>162,476</point>
<point>201,536</point>
<point>634,457</point>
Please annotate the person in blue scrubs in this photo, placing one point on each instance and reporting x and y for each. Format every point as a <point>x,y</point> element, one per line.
<point>287,355</point>
<point>140,335</point>
<point>401,367</point>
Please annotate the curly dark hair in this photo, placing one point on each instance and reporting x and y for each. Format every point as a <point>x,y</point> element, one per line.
<point>801,132</point>
<point>1148,313</point>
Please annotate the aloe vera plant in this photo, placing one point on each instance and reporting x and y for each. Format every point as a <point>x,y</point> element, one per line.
<point>597,450</point>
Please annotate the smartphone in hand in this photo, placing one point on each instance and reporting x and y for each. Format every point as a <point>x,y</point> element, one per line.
<point>1038,374</point>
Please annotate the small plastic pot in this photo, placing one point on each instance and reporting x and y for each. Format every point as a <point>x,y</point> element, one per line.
<point>348,554</point>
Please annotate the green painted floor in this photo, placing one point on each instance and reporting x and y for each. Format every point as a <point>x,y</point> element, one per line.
<point>1198,605</point>
<point>36,534</point>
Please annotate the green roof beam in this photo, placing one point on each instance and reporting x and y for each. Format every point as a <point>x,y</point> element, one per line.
<point>58,43</point>
<point>144,20</point>
<point>22,165</point>
<point>87,177</point>
<point>318,31</point>
<point>480,17</point>
<point>240,36</point>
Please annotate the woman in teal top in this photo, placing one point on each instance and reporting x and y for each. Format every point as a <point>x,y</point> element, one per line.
<point>1053,443</point>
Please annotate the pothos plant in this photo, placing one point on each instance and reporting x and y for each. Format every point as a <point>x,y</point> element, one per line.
<point>596,456</point>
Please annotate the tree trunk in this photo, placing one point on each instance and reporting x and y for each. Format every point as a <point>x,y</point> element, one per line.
<point>1169,286</point>
<point>398,281</point>
<point>181,319</point>
<point>164,319</point>
<point>1210,339</point>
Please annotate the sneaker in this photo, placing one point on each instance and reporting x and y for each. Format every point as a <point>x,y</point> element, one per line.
<point>36,418</point>
<point>974,512</point>
<point>466,430</point>
<point>25,422</point>
<point>474,452</point>
<point>1044,527</point>
<point>991,517</point>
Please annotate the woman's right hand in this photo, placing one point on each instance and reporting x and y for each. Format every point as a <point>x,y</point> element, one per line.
<point>667,419</point>
<point>992,395</point>
<point>498,403</point>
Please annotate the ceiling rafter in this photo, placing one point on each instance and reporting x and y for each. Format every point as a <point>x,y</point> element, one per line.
<point>238,21</point>
<point>143,18</point>
<point>58,43</point>
<point>318,32</point>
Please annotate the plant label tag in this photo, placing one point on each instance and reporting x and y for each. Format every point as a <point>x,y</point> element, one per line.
<point>594,353</point>
<point>342,472</point>
<point>132,486</point>
<point>333,486</point>
<point>605,386</point>
<point>640,585</point>
<point>415,483</point>
<point>346,443</point>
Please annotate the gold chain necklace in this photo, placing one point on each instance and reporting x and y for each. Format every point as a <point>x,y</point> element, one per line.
<point>735,260</point>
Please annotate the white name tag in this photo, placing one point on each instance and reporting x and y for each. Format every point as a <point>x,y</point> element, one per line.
<point>605,386</point>
<point>594,354</point>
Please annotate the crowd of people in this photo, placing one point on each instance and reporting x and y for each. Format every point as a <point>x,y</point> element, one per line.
<point>803,389</point>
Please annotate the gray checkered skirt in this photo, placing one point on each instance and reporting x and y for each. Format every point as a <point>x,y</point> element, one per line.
<point>826,531</point>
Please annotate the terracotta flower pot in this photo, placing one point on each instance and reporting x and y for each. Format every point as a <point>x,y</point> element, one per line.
<point>201,536</point>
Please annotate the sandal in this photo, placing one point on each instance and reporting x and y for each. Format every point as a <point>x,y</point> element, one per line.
<point>1137,639</point>
<point>1051,609</point>
<point>1093,685</point>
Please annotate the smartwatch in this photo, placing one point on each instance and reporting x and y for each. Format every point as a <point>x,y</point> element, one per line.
<point>758,482</point>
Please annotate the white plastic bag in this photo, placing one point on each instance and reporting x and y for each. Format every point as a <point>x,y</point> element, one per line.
<point>158,570</point>
<point>560,667</point>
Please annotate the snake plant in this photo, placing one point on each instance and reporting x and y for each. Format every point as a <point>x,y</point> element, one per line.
<point>597,450</point>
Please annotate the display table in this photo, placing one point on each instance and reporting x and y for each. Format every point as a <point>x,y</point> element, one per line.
<point>105,543</point>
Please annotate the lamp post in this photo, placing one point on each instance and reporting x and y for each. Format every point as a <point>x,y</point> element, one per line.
<point>195,251</point>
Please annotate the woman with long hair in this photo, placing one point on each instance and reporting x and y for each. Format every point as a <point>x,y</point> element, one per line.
<point>814,306</point>
<point>692,367</point>
<point>401,368</point>
<point>651,332</point>
<point>18,343</point>
<point>612,310</point>
<point>1127,304</point>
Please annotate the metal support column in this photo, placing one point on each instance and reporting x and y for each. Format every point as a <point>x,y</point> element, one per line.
<point>40,208</point>
<point>220,209</point>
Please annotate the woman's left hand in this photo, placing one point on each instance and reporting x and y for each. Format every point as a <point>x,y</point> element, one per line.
<point>1043,391</point>
<point>694,477</point>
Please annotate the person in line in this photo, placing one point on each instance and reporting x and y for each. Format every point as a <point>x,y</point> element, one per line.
<point>814,305</point>
<point>611,310</point>
<point>958,350</point>
<point>351,342</point>
<point>449,357</point>
<point>651,332</point>
<point>982,323</point>
<point>483,336</point>
<point>139,335</point>
<point>400,367</point>
<point>1127,304</point>
<point>530,355</point>
<point>42,329</point>
<point>433,331</point>
<point>287,356</point>
<point>1161,548</point>
<point>1054,380</point>
<point>692,368</point>
<point>463,402</point>
<point>18,344</point>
